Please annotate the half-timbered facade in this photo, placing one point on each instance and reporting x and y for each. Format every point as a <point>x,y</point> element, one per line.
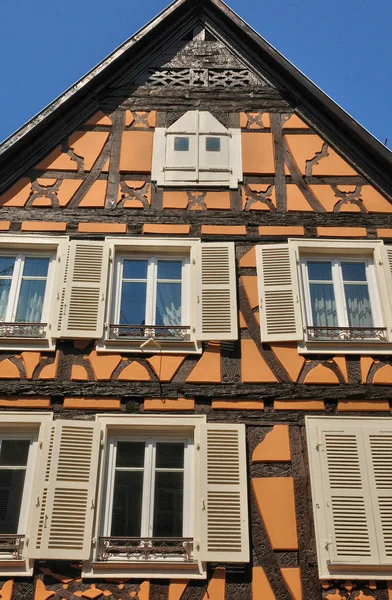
<point>195,331</point>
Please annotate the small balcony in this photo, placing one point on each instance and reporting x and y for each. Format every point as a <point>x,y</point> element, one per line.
<point>145,549</point>
<point>347,334</point>
<point>165,333</point>
<point>23,330</point>
<point>11,544</point>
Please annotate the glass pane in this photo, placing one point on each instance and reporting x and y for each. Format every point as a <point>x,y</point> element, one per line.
<point>127,503</point>
<point>181,144</point>
<point>322,298</point>
<point>31,301</point>
<point>170,269</point>
<point>354,271</point>
<point>7,266</point>
<point>133,304</point>
<point>358,305</point>
<point>14,453</point>
<point>213,144</point>
<point>130,454</point>
<point>168,504</point>
<point>11,491</point>
<point>135,269</point>
<point>170,455</point>
<point>36,267</point>
<point>5,285</point>
<point>319,271</point>
<point>168,310</point>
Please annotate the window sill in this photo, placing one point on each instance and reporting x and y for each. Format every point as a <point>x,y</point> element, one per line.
<point>148,346</point>
<point>369,346</point>
<point>151,569</point>
<point>346,571</point>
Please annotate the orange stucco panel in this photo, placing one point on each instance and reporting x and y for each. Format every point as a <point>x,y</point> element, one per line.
<point>165,366</point>
<point>8,370</point>
<point>174,199</point>
<point>383,376</point>
<point>99,119</point>
<point>136,151</point>
<point>292,578</point>
<point>341,231</point>
<point>95,197</point>
<point>321,375</point>
<point>261,587</point>
<point>176,589</point>
<point>27,402</point>
<point>67,190</point>
<point>161,404</point>
<point>366,362</point>
<point>92,403</point>
<point>237,404</point>
<point>216,589</point>
<point>43,226</point>
<point>363,406</point>
<point>341,362</point>
<point>276,504</point>
<point>241,320</point>
<point>18,194</point>
<point>104,365</point>
<point>79,373</point>
<point>50,371</point>
<point>5,225</point>
<point>166,229</point>
<point>275,447</point>
<point>88,145</point>
<point>294,122</point>
<point>304,148</point>
<point>299,405</point>
<point>296,201</point>
<point>249,259</point>
<point>250,286</point>
<point>291,361</point>
<point>218,200</point>
<point>223,229</point>
<point>281,230</point>
<point>254,369</point>
<point>333,164</point>
<point>134,372</point>
<point>257,153</point>
<point>57,161</point>
<point>30,362</point>
<point>373,201</point>
<point>102,228</point>
<point>208,368</point>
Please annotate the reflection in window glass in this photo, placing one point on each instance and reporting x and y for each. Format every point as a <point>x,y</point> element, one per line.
<point>7,264</point>
<point>181,144</point>
<point>322,294</point>
<point>213,144</point>
<point>13,462</point>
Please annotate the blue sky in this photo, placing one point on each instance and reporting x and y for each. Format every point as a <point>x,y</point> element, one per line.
<point>343,46</point>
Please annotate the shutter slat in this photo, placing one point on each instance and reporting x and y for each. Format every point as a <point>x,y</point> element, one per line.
<point>280,313</point>
<point>216,293</point>
<point>224,521</point>
<point>82,302</point>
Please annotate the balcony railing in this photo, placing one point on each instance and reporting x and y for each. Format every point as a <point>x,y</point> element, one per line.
<point>348,334</point>
<point>23,330</point>
<point>145,548</point>
<point>11,544</point>
<point>144,332</point>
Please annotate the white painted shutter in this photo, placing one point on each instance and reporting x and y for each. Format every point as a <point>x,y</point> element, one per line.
<point>224,505</point>
<point>61,290</point>
<point>67,500</point>
<point>378,444</point>
<point>216,294</point>
<point>383,262</point>
<point>346,498</point>
<point>280,309</point>
<point>83,307</point>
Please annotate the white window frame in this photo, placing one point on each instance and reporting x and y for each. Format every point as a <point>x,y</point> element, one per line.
<point>165,428</point>
<point>323,532</point>
<point>164,148</point>
<point>22,246</point>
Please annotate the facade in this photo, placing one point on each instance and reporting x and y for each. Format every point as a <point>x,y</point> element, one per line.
<point>195,331</point>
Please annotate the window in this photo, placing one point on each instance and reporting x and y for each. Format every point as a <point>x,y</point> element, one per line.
<point>198,149</point>
<point>327,295</point>
<point>351,478</point>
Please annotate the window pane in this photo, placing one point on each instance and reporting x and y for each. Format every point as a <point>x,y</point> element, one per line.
<point>181,144</point>
<point>133,304</point>
<point>14,453</point>
<point>319,271</point>
<point>130,454</point>
<point>7,266</point>
<point>322,298</point>
<point>358,305</point>
<point>168,504</point>
<point>31,301</point>
<point>5,285</point>
<point>127,503</point>
<point>170,456</point>
<point>11,491</point>
<point>36,267</point>
<point>213,144</point>
<point>170,269</point>
<point>354,271</point>
<point>135,269</point>
<point>168,311</point>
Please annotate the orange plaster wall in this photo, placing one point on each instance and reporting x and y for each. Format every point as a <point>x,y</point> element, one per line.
<point>18,194</point>
<point>136,151</point>
<point>57,161</point>
<point>208,368</point>
<point>257,153</point>
<point>88,145</point>
<point>161,404</point>
<point>254,369</point>
<point>95,197</point>
<point>275,447</point>
<point>276,504</point>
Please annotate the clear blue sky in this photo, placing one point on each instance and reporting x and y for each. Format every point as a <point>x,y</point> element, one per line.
<point>344,46</point>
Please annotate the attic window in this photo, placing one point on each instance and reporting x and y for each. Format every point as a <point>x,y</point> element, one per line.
<point>197,149</point>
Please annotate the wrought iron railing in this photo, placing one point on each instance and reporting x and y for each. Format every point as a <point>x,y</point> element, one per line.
<point>11,544</point>
<point>350,334</point>
<point>145,548</point>
<point>23,330</point>
<point>143,332</point>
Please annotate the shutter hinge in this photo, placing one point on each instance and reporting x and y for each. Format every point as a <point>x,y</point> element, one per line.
<point>40,445</point>
<point>92,503</point>
<point>203,504</point>
<point>261,304</point>
<point>26,541</point>
<point>193,262</point>
<point>327,544</point>
<point>197,446</point>
<point>317,446</point>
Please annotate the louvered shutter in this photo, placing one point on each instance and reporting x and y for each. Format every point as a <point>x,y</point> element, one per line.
<point>82,301</point>
<point>346,498</point>
<point>383,262</point>
<point>378,445</point>
<point>66,502</point>
<point>216,297</point>
<point>280,310</point>
<point>61,287</point>
<point>224,506</point>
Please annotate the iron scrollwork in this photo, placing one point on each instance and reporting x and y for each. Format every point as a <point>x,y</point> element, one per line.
<point>145,548</point>
<point>141,332</point>
<point>23,330</point>
<point>348,334</point>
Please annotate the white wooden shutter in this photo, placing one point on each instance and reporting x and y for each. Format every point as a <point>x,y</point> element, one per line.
<point>83,298</point>
<point>378,445</point>
<point>383,262</point>
<point>280,309</point>
<point>224,505</point>
<point>61,281</point>
<point>216,294</point>
<point>66,501</point>
<point>346,498</point>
